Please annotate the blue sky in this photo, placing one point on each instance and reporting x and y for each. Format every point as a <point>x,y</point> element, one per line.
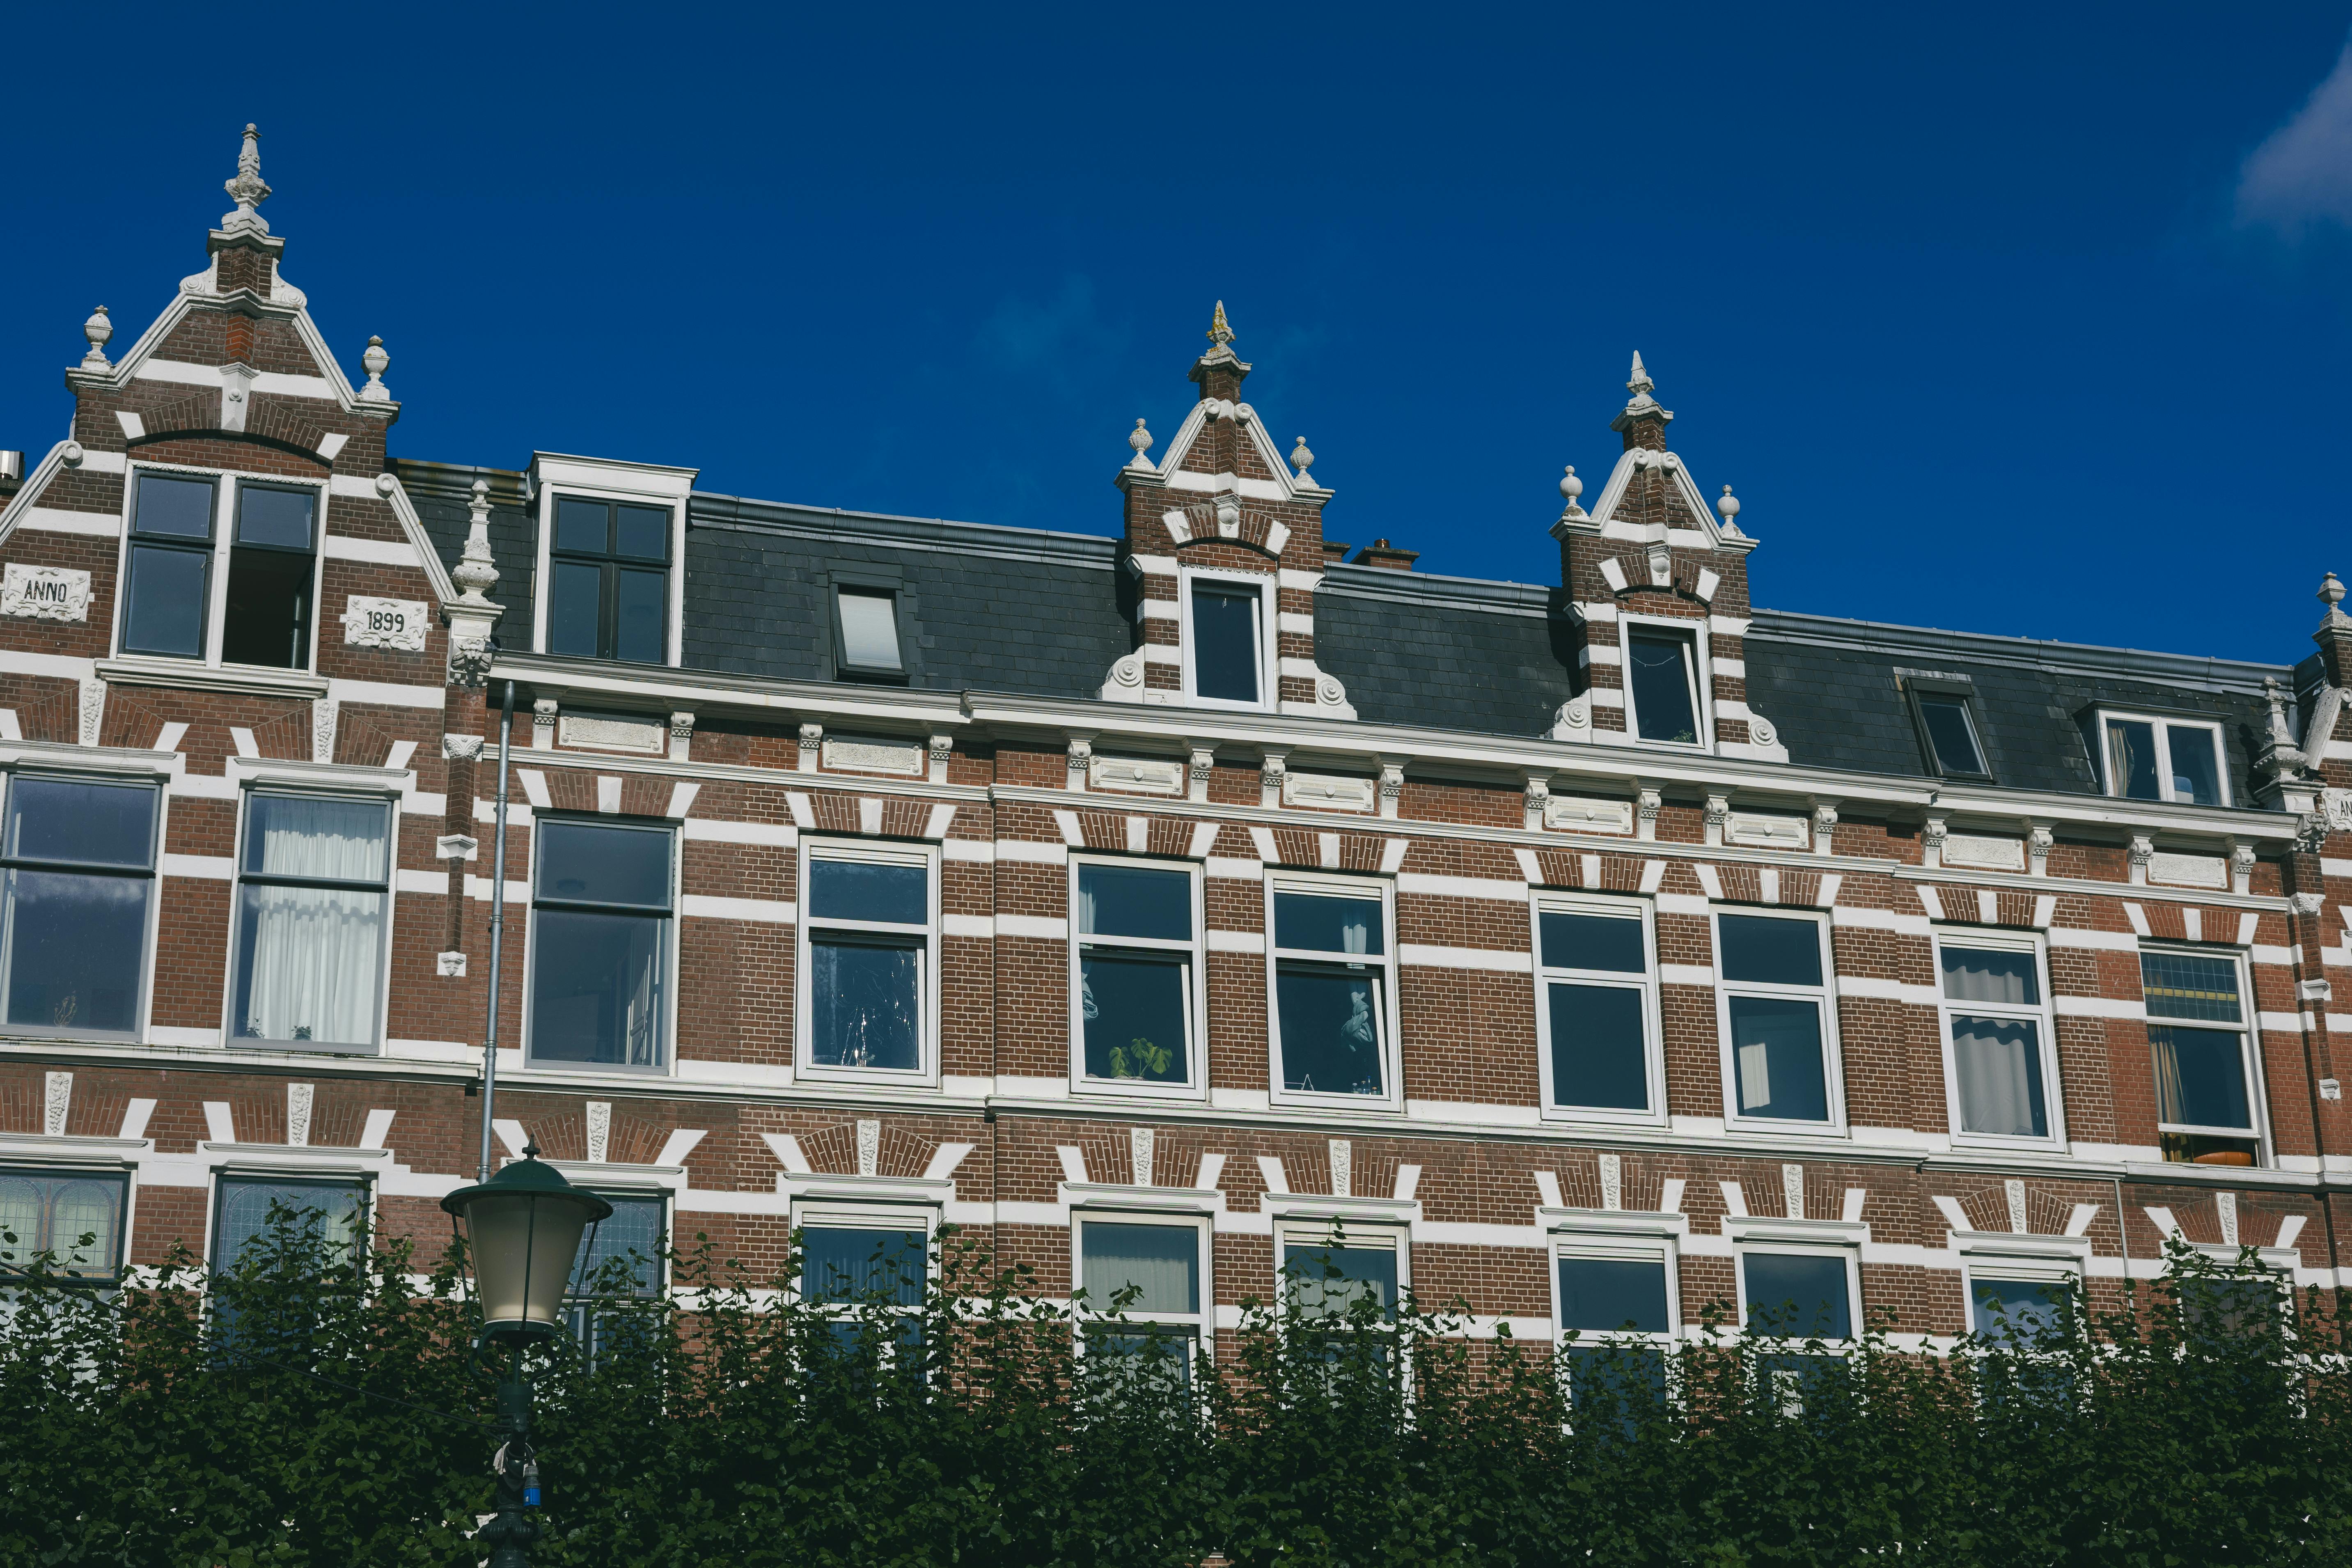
<point>2026,321</point>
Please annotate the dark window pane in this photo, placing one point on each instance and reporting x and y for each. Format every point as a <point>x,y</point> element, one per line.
<point>1601,1294</point>
<point>1632,1378</point>
<point>582,525</point>
<point>1133,1007</point>
<point>1327,1281</point>
<point>1990,974</point>
<point>1999,1061</point>
<point>2015,1311</point>
<point>77,1216</point>
<point>268,620</point>
<point>2196,769</point>
<point>330,1212</point>
<point>1954,739</point>
<point>1330,1029</point>
<point>174,507</point>
<point>642,533</point>
<point>642,610</point>
<point>586,862</point>
<point>1798,1295</point>
<point>1658,668</point>
<point>333,840</point>
<point>1226,643</point>
<point>1160,1262</point>
<point>2201,1076</point>
<point>1127,900</point>
<point>274,517</point>
<point>1772,951</point>
<point>74,948</point>
<point>634,1226</point>
<point>869,890</point>
<point>870,630</point>
<point>1320,924</point>
<point>165,602</point>
<point>858,1265</point>
<point>2131,759</point>
<point>597,988</point>
<point>1160,1358</point>
<point>864,1003</point>
<point>2184,986</point>
<point>1597,1058</point>
<point>1776,1058</point>
<point>1593,942</point>
<point>573,606</point>
<point>87,823</point>
<point>2218,1307</point>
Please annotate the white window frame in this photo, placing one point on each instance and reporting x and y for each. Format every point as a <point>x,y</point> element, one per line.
<point>1653,1022</point>
<point>322,1173</point>
<point>227,484</point>
<point>1702,674</point>
<point>1202,1322</point>
<point>861,1213</point>
<point>2249,1030</point>
<point>635,484</point>
<point>1984,1263</point>
<point>41,767</point>
<point>2054,1099</point>
<point>1826,995</point>
<point>1367,1235</point>
<point>1662,1248</point>
<point>1196,987</point>
<point>1392,1096</point>
<point>2113,785</point>
<point>1267,587</point>
<point>927,988</point>
<point>373,1046</point>
<point>1848,1253</point>
<point>668,1067</point>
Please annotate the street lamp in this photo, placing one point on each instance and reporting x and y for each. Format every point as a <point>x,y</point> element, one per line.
<point>522,1227</point>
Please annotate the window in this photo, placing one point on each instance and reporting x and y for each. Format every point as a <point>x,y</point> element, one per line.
<point>1998,1049</point>
<point>168,568</point>
<point>80,857</point>
<point>2164,758</point>
<point>1595,1008</point>
<point>600,943</point>
<point>1134,969</point>
<point>1225,642</point>
<point>2016,1312</point>
<point>331,1211</point>
<point>1150,1275</point>
<point>1331,987</point>
<point>608,580</point>
<point>861,1268</point>
<point>2205,1091</point>
<point>270,565</point>
<point>1661,684</point>
<point>631,1236</point>
<point>1775,1005</point>
<point>867,623</point>
<point>1330,1273</point>
<point>868,937</point>
<point>1944,708</point>
<point>312,901</point>
<point>1797,1295</point>
<point>1620,1305</point>
<point>75,1215</point>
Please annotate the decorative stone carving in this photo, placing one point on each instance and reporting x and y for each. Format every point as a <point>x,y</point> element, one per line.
<point>2241,867</point>
<point>2141,853</point>
<point>1125,681</point>
<point>1932,838</point>
<point>1392,787</point>
<point>1761,732</point>
<point>1612,1182</point>
<point>93,709</point>
<point>57,1100</point>
<point>2225,1209</point>
<point>1646,806</point>
<point>2189,871</point>
<point>1573,719</point>
<point>476,573</point>
<point>1538,794</point>
<point>1826,821</point>
<point>371,622</point>
<point>900,757</point>
<point>610,732</point>
<point>942,751</point>
<point>1583,814</point>
<point>1079,761</point>
<point>1302,459</point>
<point>248,189</point>
<point>45,592</point>
<point>97,330</point>
<point>324,713</point>
<point>869,1148</point>
<point>1331,697</point>
<point>456,846</point>
<point>2037,848</point>
<point>1792,1190</point>
<point>2014,1190</point>
<point>1324,791</point>
<point>1202,768</point>
<point>2311,832</point>
<point>1718,810</point>
<point>2335,805</point>
<point>449,965</point>
<point>300,1097</point>
<point>812,746</point>
<point>1570,487</point>
<point>470,661</point>
<point>461,748</point>
<point>1138,775</point>
<point>600,1132</point>
<point>1343,1168</point>
<point>1767,830</point>
<point>375,362</point>
<point>1270,770</point>
<point>2306,903</point>
<point>1728,505</point>
<point>1139,440</point>
<point>1977,852</point>
<point>1141,1141</point>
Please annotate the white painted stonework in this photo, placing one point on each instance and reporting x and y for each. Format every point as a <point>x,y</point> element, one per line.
<point>1321,792</point>
<point>1982,854</point>
<point>369,622</point>
<point>1137,775</point>
<point>1581,814</point>
<point>590,732</point>
<point>1772,832</point>
<point>45,592</point>
<point>2190,871</point>
<point>874,757</point>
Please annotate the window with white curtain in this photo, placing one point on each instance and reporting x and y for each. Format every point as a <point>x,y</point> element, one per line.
<point>75,1217</point>
<point>2000,1058</point>
<point>313,899</point>
<point>1148,1272</point>
<point>2154,757</point>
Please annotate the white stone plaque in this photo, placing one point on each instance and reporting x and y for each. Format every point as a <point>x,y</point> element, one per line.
<point>2334,804</point>
<point>606,732</point>
<point>45,592</point>
<point>1982,854</point>
<point>369,622</point>
<point>1322,792</point>
<point>1137,775</point>
<point>874,756</point>
<point>1583,813</point>
<point>2190,871</point>
<point>1770,832</point>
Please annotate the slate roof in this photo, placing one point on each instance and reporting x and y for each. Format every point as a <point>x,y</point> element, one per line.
<point>1045,614</point>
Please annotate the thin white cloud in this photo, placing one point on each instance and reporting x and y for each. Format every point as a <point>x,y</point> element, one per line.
<point>2303,176</point>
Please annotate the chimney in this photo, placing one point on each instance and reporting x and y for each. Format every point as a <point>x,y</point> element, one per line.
<point>1381,552</point>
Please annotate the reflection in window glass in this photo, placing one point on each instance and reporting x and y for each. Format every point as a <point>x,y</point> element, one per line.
<point>869,629</point>
<point>1226,636</point>
<point>1770,952</point>
<point>2201,1076</point>
<point>632,1235</point>
<point>78,868</point>
<point>842,1263</point>
<point>1798,1295</point>
<point>1661,673</point>
<point>1327,1281</point>
<point>2015,1311</point>
<point>1160,1263</point>
<point>1997,1058</point>
<point>2196,764</point>
<point>600,943</point>
<point>331,1211</point>
<point>869,954</point>
<point>1952,733</point>
<point>1331,992</point>
<point>1776,1053</point>
<point>1598,1058</point>
<point>1573,941</point>
<point>1605,1295</point>
<point>599,605</point>
<point>169,566</point>
<point>2131,759</point>
<point>889,892</point>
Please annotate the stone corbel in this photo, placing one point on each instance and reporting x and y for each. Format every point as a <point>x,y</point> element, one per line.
<point>1200,767</point>
<point>1538,792</point>
<point>2038,839</point>
<point>461,748</point>
<point>1271,768</point>
<point>1718,810</point>
<point>1826,821</point>
<point>1646,806</point>
<point>681,737</point>
<point>1080,756</point>
<point>1392,786</point>
<point>1573,721</point>
<point>2241,867</point>
<point>2142,851</point>
<point>542,724</point>
<point>811,747</point>
<point>942,751</point>
<point>1931,843</point>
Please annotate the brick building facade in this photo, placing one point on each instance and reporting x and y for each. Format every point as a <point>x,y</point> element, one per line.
<point>1144,905</point>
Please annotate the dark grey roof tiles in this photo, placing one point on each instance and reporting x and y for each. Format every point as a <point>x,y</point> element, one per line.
<point>1444,652</point>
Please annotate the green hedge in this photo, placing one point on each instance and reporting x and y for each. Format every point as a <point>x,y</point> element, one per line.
<point>319,1410</point>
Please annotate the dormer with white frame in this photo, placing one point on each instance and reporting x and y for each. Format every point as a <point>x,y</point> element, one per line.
<point>609,579</point>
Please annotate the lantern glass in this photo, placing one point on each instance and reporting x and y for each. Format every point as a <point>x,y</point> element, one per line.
<point>524,1225</point>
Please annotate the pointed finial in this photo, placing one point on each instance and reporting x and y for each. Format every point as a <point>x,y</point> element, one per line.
<point>98,329</point>
<point>2331,594</point>
<point>375,362</point>
<point>1219,333</point>
<point>1729,505</point>
<point>475,575</point>
<point>1570,487</point>
<point>248,190</point>
<point>2273,694</point>
<point>1641,383</point>
<point>1302,459</point>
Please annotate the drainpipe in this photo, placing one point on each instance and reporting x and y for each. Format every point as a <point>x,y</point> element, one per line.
<point>497,928</point>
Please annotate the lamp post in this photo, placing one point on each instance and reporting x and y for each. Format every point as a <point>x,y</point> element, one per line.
<point>522,1228</point>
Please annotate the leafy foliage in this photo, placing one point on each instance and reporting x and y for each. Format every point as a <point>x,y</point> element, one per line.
<point>315,1408</point>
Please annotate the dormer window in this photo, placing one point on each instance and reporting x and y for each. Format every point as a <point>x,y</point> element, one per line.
<point>270,609</point>
<point>608,580</point>
<point>1228,641</point>
<point>2151,758</point>
<point>866,632</point>
<point>1944,708</point>
<point>1661,684</point>
<point>270,564</point>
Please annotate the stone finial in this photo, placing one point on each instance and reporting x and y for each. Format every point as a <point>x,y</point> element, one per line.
<point>248,190</point>
<point>1641,385</point>
<point>1729,505</point>
<point>476,573</point>
<point>375,362</point>
<point>1140,440</point>
<point>97,330</point>
<point>1570,489</point>
<point>1220,334</point>
<point>2275,695</point>
<point>1302,459</point>
<point>2331,594</point>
